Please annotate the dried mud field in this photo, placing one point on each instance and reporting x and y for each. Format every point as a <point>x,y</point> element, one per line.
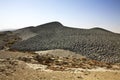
<point>44,65</point>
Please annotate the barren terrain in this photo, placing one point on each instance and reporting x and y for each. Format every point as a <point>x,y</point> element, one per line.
<point>53,51</point>
<point>24,66</point>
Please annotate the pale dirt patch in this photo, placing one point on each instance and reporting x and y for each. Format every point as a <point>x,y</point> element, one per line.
<point>39,67</point>
<point>60,53</point>
<point>73,70</point>
<point>25,34</point>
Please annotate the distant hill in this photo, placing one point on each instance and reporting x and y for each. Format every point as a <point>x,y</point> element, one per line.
<point>94,43</point>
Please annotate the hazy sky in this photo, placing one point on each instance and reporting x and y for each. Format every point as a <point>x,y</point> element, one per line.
<point>74,13</point>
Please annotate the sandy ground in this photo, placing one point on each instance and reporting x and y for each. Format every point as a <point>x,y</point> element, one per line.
<point>13,69</point>
<point>76,74</point>
<point>29,74</point>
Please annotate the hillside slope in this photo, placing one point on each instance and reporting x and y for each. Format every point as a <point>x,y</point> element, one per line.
<point>95,43</point>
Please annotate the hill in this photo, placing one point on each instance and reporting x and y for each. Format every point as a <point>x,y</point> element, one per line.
<point>95,43</point>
